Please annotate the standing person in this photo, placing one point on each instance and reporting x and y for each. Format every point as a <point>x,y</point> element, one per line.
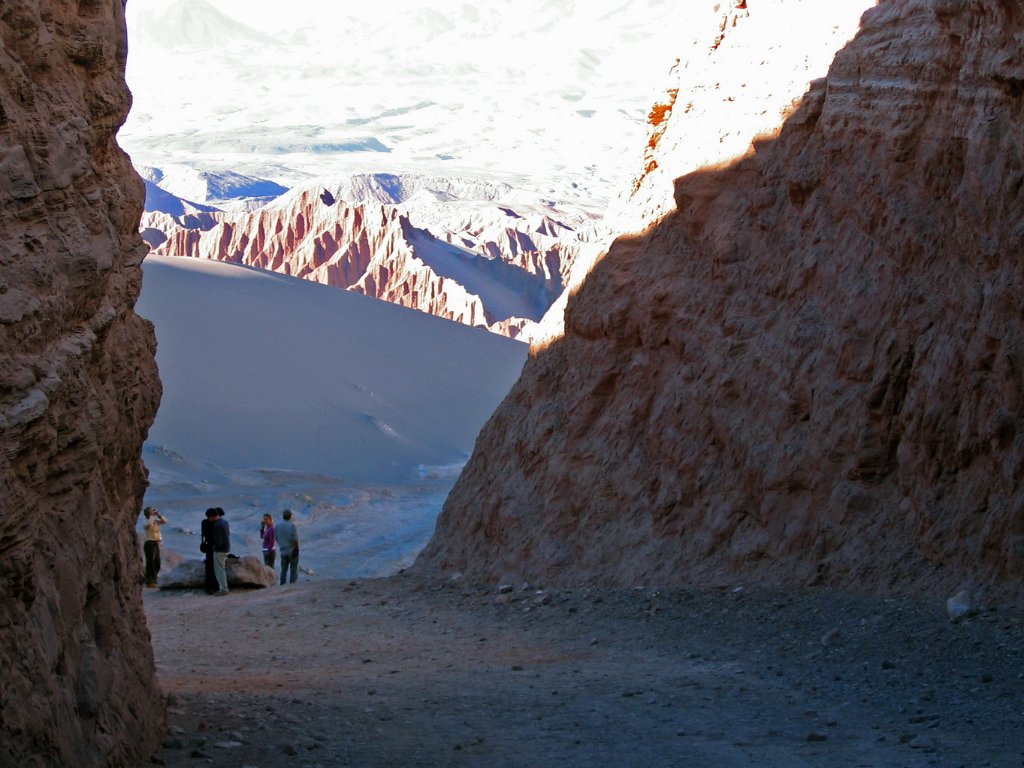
<point>221,547</point>
<point>268,538</point>
<point>288,543</point>
<point>151,546</point>
<point>206,547</point>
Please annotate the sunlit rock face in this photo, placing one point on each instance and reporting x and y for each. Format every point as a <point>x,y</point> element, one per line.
<point>450,248</point>
<point>736,84</point>
<point>741,70</point>
<point>78,389</point>
<point>811,372</point>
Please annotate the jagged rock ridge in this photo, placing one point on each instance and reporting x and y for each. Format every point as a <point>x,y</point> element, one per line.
<point>78,390</point>
<point>811,372</point>
<point>471,252</point>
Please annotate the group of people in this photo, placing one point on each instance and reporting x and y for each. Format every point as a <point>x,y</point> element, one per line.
<point>284,537</point>
<point>215,544</point>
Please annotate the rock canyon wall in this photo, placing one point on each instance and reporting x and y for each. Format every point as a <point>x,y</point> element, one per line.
<point>809,373</point>
<point>78,390</point>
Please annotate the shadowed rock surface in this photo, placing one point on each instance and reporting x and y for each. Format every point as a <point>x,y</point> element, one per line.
<point>78,390</point>
<point>810,373</point>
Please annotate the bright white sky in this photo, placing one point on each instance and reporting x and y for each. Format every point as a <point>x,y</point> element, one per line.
<point>543,93</point>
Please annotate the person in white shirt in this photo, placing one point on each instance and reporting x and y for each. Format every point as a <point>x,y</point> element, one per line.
<point>151,546</point>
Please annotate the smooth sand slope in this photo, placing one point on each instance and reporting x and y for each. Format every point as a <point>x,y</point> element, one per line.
<point>261,370</point>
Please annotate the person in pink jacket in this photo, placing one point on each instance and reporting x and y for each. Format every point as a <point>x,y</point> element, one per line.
<point>269,540</point>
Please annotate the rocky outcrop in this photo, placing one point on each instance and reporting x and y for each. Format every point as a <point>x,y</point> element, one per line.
<point>477,262</point>
<point>246,572</point>
<point>810,373</point>
<point>78,390</point>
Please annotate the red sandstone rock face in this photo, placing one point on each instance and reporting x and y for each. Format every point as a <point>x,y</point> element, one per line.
<point>78,390</point>
<point>811,373</point>
<point>486,274</point>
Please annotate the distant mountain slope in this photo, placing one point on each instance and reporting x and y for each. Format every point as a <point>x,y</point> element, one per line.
<point>262,370</point>
<point>224,189</point>
<point>548,95</point>
<point>159,200</point>
<point>194,24</point>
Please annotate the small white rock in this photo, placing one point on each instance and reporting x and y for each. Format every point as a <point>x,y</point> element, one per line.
<point>959,605</point>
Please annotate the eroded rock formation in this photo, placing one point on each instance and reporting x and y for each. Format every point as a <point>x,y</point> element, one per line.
<point>78,390</point>
<point>476,262</point>
<point>811,371</point>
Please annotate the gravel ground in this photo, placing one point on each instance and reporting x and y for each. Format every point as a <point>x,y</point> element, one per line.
<point>397,672</point>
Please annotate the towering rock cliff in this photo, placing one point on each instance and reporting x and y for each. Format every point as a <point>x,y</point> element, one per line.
<point>811,371</point>
<point>78,390</point>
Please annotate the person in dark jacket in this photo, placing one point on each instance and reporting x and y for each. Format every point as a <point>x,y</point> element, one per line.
<point>206,546</point>
<point>221,541</point>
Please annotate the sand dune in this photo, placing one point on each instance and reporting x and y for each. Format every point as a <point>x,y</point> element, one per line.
<point>265,371</point>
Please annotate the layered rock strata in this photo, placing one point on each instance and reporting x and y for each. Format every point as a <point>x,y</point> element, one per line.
<point>811,372</point>
<point>479,264</point>
<point>78,389</point>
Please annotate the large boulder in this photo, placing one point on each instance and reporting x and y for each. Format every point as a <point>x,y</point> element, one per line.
<point>241,571</point>
<point>78,391</point>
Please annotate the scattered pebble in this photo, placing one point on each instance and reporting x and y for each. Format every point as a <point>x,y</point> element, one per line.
<point>922,743</point>
<point>830,637</point>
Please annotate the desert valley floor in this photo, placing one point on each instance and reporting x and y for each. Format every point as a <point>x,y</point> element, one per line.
<point>401,672</point>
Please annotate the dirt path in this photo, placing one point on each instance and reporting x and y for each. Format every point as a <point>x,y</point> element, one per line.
<point>392,672</point>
